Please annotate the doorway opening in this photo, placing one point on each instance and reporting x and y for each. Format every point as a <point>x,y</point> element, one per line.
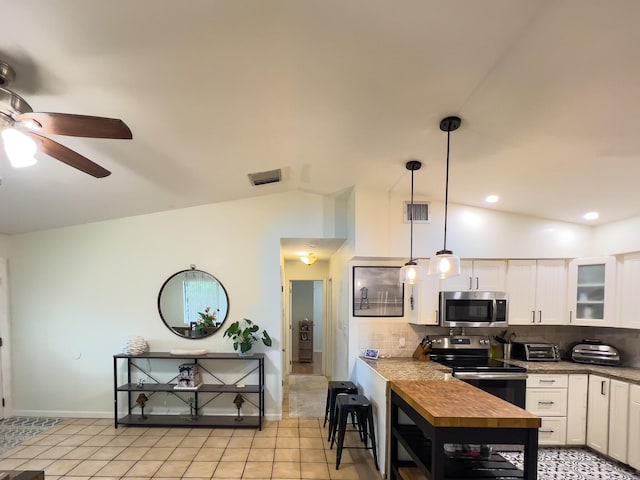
<point>306,383</point>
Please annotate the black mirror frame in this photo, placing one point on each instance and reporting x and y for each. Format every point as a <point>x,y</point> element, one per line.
<point>205,332</point>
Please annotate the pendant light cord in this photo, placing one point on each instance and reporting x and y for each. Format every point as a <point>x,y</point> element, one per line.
<point>411,220</point>
<point>446,193</point>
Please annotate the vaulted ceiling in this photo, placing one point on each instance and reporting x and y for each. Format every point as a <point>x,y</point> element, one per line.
<point>333,92</point>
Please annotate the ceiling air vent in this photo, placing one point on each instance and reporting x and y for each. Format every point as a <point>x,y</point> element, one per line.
<point>419,211</point>
<point>262,178</point>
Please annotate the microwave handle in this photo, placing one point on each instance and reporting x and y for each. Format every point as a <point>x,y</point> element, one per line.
<point>494,310</point>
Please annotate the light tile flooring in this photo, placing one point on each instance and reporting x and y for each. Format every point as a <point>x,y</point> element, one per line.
<point>293,448</point>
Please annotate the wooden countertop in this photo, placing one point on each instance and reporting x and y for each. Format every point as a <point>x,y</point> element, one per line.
<point>446,403</point>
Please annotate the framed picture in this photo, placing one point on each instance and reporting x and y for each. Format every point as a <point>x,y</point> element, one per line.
<point>371,353</point>
<point>304,336</point>
<point>377,292</point>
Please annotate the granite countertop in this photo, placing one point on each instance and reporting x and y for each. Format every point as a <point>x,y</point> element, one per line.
<point>406,368</point>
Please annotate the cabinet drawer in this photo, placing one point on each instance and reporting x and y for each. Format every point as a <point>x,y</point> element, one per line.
<point>547,381</point>
<point>553,431</point>
<point>547,402</point>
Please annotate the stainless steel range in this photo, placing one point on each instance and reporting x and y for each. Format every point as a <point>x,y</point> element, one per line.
<point>468,357</point>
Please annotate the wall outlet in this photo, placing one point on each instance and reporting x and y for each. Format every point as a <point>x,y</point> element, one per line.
<point>402,342</point>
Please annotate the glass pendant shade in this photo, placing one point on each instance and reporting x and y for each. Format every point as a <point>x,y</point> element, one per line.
<point>445,264</point>
<point>411,273</point>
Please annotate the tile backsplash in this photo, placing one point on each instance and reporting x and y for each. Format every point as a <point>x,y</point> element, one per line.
<point>387,337</point>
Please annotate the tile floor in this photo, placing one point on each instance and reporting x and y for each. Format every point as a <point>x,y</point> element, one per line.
<point>83,449</point>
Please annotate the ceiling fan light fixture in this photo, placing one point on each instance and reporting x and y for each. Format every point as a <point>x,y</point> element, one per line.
<point>308,258</point>
<point>411,272</point>
<point>20,148</point>
<point>445,264</point>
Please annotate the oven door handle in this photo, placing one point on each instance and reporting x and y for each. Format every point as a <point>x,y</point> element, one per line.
<point>490,376</point>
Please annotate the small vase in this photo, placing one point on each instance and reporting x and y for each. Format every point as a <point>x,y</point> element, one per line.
<point>245,354</point>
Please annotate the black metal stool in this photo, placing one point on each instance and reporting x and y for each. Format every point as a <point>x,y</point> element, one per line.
<point>333,390</point>
<point>359,406</point>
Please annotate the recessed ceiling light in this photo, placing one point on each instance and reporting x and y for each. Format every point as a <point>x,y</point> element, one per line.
<point>491,198</point>
<point>591,216</point>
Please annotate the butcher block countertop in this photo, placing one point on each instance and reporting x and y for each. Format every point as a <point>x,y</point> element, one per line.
<point>450,403</point>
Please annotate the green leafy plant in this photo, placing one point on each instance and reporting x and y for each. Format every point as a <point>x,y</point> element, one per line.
<point>246,335</point>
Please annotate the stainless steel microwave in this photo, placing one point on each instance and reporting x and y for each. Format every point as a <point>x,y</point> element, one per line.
<point>474,309</point>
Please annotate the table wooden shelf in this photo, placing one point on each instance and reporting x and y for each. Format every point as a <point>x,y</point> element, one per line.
<point>212,367</point>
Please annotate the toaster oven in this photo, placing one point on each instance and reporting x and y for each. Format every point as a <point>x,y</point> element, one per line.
<point>532,352</point>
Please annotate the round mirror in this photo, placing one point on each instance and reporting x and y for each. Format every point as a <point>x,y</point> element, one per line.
<point>193,304</point>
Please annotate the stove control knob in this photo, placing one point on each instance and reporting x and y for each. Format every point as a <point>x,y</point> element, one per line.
<point>438,340</point>
<point>484,341</point>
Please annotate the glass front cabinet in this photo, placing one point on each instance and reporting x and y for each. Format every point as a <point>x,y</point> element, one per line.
<point>592,291</point>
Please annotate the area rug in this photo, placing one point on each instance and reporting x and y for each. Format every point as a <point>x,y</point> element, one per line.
<point>15,430</point>
<point>574,464</point>
<point>307,395</point>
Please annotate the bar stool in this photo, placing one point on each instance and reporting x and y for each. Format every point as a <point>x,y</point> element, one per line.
<point>334,388</point>
<point>359,406</point>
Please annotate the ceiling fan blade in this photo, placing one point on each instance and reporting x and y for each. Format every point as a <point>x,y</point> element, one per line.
<point>68,156</point>
<point>75,125</point>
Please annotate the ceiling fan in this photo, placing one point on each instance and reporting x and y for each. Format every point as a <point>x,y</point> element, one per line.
<point>21,126</point>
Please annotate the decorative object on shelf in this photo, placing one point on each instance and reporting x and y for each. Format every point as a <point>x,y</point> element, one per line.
<point>188,377</point>
<point>184,303</point>
<point>245,336</point>
<point>134,346</point>
<point>411,273</point>
<point>371,353</point>
<point>238,401</point>
<point>142,400</point>
<point>192,409</point>
<point>445,264</point>
<point>188,351</point>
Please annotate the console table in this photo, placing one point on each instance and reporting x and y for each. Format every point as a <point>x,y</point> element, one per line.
<point>143,377</point>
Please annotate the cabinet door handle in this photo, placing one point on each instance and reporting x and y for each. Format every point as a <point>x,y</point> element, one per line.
<point>533,316</point>
<point>543,380</point>
<point>546,403</point>
<point>546,431</point>
<point>570,316</point>
<point>539,316</point>
<point>470,283</point>
<point>477,283</point>
<point>603,388</point>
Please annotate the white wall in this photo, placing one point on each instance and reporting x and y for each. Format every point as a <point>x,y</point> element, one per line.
<point>618,237</point>
<point>4,246</point>
<point>77,292</point>
<point>472,232</point>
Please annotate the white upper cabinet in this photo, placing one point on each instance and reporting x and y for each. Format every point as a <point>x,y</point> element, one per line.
<point>592,291</point>
<point>478,275</point>
<point>630,294</point>
<point>537,292</point>
<point>423,310</point>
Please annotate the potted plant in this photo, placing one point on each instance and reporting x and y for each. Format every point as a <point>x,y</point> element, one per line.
<point>246,335</point>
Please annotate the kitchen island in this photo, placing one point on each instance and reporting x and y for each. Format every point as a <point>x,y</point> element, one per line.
<point>426,415</point>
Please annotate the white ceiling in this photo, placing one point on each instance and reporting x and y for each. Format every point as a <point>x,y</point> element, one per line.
<point>335,93</point>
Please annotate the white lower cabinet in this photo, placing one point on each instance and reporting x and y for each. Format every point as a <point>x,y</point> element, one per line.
<point>577,409</point>
<point>547,397</point>
<point>633,447</point>
<point>607,421</point>
<point>618,420</point>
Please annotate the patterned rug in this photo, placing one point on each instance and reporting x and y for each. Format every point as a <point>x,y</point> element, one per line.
<point>574,464</point>
<point>307,395</point>
<point>15,430</point>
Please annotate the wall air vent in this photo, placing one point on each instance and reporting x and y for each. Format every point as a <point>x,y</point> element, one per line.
<point>420,212</point>
<point>262,178</point>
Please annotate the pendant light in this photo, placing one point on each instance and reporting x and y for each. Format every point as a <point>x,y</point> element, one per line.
<point>445,264</point>
<point>411,273</point>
